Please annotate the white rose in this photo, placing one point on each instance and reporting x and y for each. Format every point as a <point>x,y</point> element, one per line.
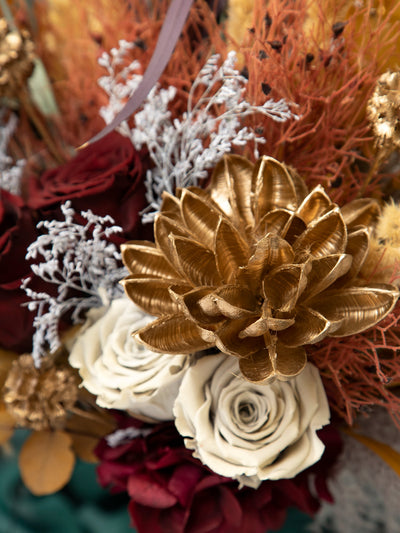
<point>251,432</point>
<point>122,373</point>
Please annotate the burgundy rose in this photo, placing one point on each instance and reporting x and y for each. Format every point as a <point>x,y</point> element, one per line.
<point>106,177</point>
<point>171,492</point>
<point>17,231</point>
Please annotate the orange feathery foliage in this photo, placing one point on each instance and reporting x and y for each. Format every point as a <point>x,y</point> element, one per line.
<point>357,370</point>
<point>330,77</point>
<point>70,41</point>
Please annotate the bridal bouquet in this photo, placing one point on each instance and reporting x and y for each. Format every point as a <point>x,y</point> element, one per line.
<point>199,275</point>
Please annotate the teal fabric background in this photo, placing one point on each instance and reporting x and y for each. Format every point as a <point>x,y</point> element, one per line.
<point>82,507</point>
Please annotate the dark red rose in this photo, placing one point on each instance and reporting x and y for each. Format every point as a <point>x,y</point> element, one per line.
<point>171,492</point>
<point>106,177</point>
<point>17,231</point>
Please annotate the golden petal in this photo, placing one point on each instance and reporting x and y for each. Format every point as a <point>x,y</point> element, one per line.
<point>325,236</point>
<point>231,251</point>
<point>230,187</point>
<point>264,324</point>
<point>283,286</point>
<point>289,361</point>
<point>200,217</point>
<point>237,296</point>
<point>273,222</point>
<point>151,294</point>
<point>325,271</point>
<point>163,228</point>
<point>257,367</point>
<point>191,305</point>
<point>271,251</point>
<point>228,339</point>
<point>196,262</point>
<point>173,335</point>
<point>170,207</point>
<point>359,308</point>
<point>299,184</point>
<point>315,205</point>
<point>357,247</point>
<point>294,227</point>
<point>142,257</point>
<point>310,326</point>
<point>361,212</point>
<point>273,188</point>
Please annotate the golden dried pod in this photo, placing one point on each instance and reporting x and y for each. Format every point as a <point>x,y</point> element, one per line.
<point>39,398</point>
<point>16,60</point>
<point>384,112</point>
<point>256,266</point>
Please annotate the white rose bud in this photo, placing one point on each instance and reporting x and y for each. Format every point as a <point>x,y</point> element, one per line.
<point>122,373</point>
<point>247,431</point>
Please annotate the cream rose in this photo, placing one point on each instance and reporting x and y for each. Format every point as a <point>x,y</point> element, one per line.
<point>122,373</point>
<point>247,431</point>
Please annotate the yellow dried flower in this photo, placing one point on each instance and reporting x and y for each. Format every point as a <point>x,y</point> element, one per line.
<point>383,260</point>
<point>384,112</point>
<point>39,398</point>
<point>16,60</point>
<point>257,267</point>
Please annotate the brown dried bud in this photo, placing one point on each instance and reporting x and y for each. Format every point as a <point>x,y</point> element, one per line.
<point>16,59</point>
<point>384,112</point>
<point>39,398</point>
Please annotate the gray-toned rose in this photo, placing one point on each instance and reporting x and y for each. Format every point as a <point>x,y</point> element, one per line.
<point>122,373</point>
<point>247,431</point>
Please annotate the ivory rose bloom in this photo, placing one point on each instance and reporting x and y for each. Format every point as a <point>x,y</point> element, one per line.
<point>122,373</point>
<point>247,431</point>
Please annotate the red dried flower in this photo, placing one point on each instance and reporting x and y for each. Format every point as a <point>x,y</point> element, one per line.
<point>106,177</point>
<point>171,492</point>
<point>17,231</point>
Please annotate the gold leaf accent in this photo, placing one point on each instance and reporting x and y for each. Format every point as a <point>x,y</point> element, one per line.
<point>231,251</point>
<point>170,207</point>
<point>283,286</point>
<point>196,261</point>
<point>193,306</point>
<point>200,218</point>
<point>357,247</point>
<point>361,212</point>
<point>144,258</point>
<point>46,461</point>
<point>257,367</point>
<point>151,294</point>
<point>229,340</point>
<point>273,188</point>
<point>324,271</point>
<point>231,186</point>
<point>273,222</point>
<point>173,335</point>
<point>163,228</point>
<point>289,361</point>
<point>326,236</point>
<point>315,205</point>
<point>310,327</point>
<point>359,308</point>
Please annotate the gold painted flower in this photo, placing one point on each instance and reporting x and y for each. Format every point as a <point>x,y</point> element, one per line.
<point>256,267</point>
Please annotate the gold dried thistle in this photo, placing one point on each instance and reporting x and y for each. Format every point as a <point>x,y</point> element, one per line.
<point>39,398</point>
<point>384,112</point>
<point>257,267</point>
<point>16,60</point>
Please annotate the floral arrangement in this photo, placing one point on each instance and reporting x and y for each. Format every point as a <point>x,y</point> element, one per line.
<point>205,299</point>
